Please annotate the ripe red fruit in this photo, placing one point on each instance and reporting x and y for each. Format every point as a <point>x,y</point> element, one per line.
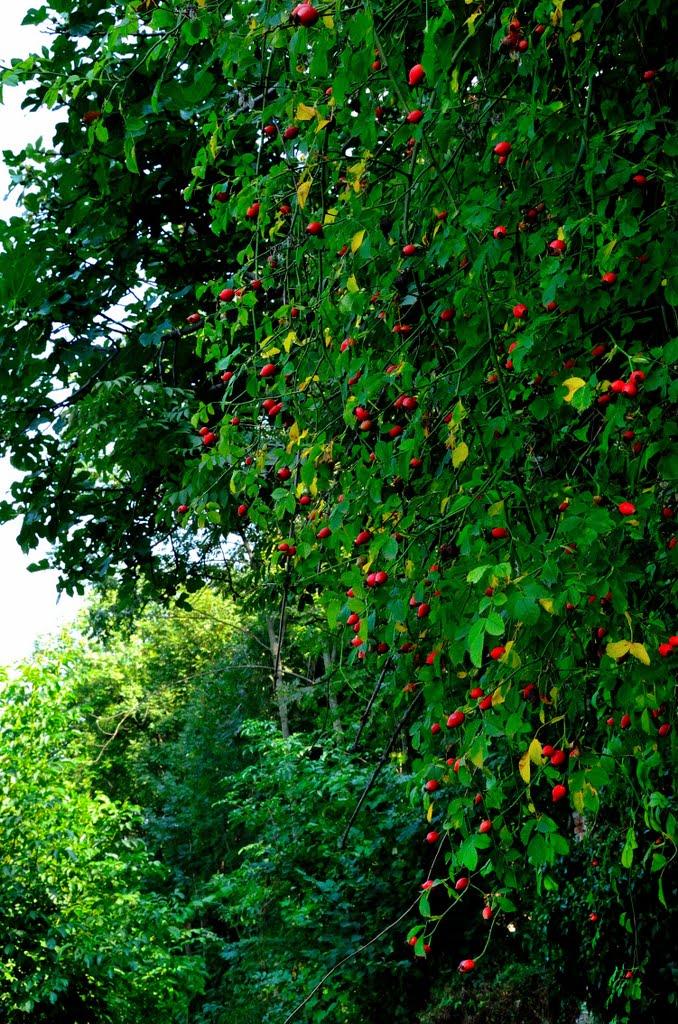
<point>665,650</point>
<point>487,913</point>
<point>625,722</point>
<point>414,116</point>
<point>194,318</point>
<point>227,294</point>
<point>486,703</point>
<point>285,473</point>
<point>637,377</point>
<point>520,311</point>
<point>409,250</point>
<point>423,611</point>
<point>639,180</point>
<point>665,729</point>
<point>285,209</point>
<point>465,966</point>
<point>435,728</point>
<point>608,278</point>
<point>242,510</point>
<point>557,757</point>
<point>432,785</point>
<point>269,370</point>
<point>477,692</point>
<point>362,538</point>
<point>497,653</point>
<point>500,231</point>
<point>558,792</point>
<point>627,508</point>
<point>209,437</point>
<point>306,15</point>
<point>325,532</point>
<point>447,315</point>
<point>455,719</point>
<point>253,211</point>
<point>461,884</point>
<point>503,148</point>
<point>500,532</point>
<point>290,133</point>
<point>442,215</point>
<point>270,130</point>
<point>428,885</point>
<point>540,29</point>
<point>558,247</point>
<point>667,513</point>
<point>417,75</point>
<point>489,592</point>
<point>432,837</point>
<point>315,229</point>
<point>380,578</point>
<point>485,826</point>
<point>182,509</point>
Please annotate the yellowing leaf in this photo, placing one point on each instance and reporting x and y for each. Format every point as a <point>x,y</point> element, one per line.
<point>455,80</point>
<point>476,758</point>
<point>401,627</point>
<point>303,188</point>
<point>429,813</point>
<point>295,436</point>
<point>328,338</point>
<point>460,454</point>
<point>409,567</point>
<point>547,605</point>
<point>534,751</point>
<point>213,145</point>
<point>305,113</point>
<point>575,37</point>
<point>607,249</point>
<point>471,22</point>
<point>328,21</point>
<point>322,123</point>
<point>510,657</point>
<point>304,384</point>
<point>352,285</point>
<point>357,240</point>
<point>496,509</point>
<point>269,353</point>
<point>560,234</point>
<point>289,340</point>
<point>638,651</point>
<point>573,384</point>
<point>524,767</point>
<point>618,648</point>
<point>232,486</point>
<point>498,697</point>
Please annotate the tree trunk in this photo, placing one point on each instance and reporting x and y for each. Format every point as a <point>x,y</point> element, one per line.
<point>329,657</point>
<point>275,641</point>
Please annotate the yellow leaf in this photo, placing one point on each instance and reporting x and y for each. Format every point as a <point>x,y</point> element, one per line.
<point>200,3</point>
<point>214,145</point>
<point>328,21</point>
<point>510,657</point>
<point>607,249</point>
<point>322,124</point>
<point>357,240</point>
<point>401,627</point>
<point>289,340</point>
<point>557,15</point>
<point>330,217</point>
<point>639,652</point>
<point>232,486</point>
<point>270,352</point>
<point>409,567</point>
<point>471,22</point>
<point>295,437</point>
<point>628,619</point>
<point>498,697</point>
<point>444,503</point>
<point>305,113</point>
<point>460,454</point>
<point>496,509</point>
<point>575,36</point>
<point>547,605</point>
<point>476,758</point>
<point>535,752</point>
<point>303,188</point>
<point>304,384</point>
<point>328,338</point>
<point>618,648</point>
<point>352,285</point>
<point>455,80</point>
<point>573,384</point>
<point>524,767</point>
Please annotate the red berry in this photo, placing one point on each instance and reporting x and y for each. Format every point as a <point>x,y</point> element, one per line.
<point>323,533</point>
<point>500,231</point>
<point>627,508</point>
<point>182,509</point>
<point>285,473</point>
<point>455,719</point>
<point>409,250</point>
<point>497,652</point>
<point>486,703</point>
<point>432,785</point>
<point>665,729</point>
<point>423,611</point>
<point>315,229</point>
<point>461,884</point>
<point>227,294</point>
<point>435,728</point>
<point>558,792</point>
<point>665,650</point>
<point>417,75</point>
<point>432,837</point>
<point>520,311</point>
<point>194,318</point>
<point>290,133</point>
<point>558,247</point>
<point>414,117</point>
<point>487,913</point>
<point>609,278</point>
<point>485,826</point>
<point>465,966</point>
<point>269,370</point>
<point>447,315</point>
<point>306,15</point>
<point>503,148</point>
<point>500,532</point>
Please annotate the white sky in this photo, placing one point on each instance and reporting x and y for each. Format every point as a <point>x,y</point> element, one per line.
<point>28,601</point>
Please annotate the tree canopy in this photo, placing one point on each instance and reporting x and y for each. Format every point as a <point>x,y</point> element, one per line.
<point>365,315</point>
